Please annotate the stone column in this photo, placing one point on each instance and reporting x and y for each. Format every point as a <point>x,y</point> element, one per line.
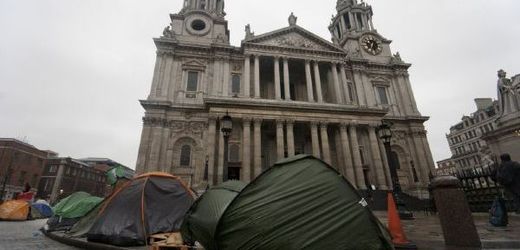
<point>339,98</point>
<point>156,74</point>
<point>142,158</point>
<point>421,155</point>
<point>257,76</point>
<point>280,150</point>
<point>371,23</point>
<point>317,80</point>
<point>212,130</point>
<point>290,137</point>
<point>220,168</point>
<point>352,20</point>
<point>308,76</point>
<point>286,83</point>
<point>406,99</point>
<point>57,181</point>
<point>347,156</point>
<point>257,127</point>
<point>325,142</point>
<point>247,75</point>
<point>345,84</point>
<point>156,143</point>
<point>376,157</point>
<point>215,88</point>
<point>358,168</point>
<point>410,92</point>
<point>246,149</point>
<point>277,91</point>
<point>360,90</point>
<point>384,157</point>
<point>315,140</point>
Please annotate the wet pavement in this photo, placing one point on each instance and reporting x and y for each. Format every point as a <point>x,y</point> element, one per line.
<point>23,235</point>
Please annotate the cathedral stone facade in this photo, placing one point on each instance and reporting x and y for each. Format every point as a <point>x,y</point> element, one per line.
<point>288,92</point>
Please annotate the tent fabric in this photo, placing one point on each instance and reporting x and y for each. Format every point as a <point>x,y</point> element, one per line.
<point>200,222</point>
<point>76,205</point>
<point>300,203</point>
<point>14,210</point>
<point>81,228</point>
<point>149,204</point>
<point>44,210</point>
<point>58,223</point>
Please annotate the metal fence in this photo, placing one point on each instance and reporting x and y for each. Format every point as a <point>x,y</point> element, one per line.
<point>480,188</point>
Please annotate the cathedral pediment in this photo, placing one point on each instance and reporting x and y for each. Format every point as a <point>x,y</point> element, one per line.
<point>294,37</point>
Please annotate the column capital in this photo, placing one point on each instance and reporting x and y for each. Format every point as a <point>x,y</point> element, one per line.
<point>247,120</point>
<point>323,124</point>
<point>353,123</point>
<point>373,124</point>
<point>343,125</point>
<point>280,121</point>
<point>247,55</point>
<point>284,58</point>
<point>257,121</point>
<point>212,117</point>
<point>289,121</point>
<point>314,123</point>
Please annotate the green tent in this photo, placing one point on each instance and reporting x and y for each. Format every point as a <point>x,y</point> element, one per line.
<point>200,222</point>
<point>76,205</point>
<point>299,203</point>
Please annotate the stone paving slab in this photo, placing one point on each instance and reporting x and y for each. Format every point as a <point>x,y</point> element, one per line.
<point>426,231</point>
<point>23,235</point>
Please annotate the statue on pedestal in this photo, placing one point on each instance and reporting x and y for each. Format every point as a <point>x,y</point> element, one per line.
<point>508,95</point>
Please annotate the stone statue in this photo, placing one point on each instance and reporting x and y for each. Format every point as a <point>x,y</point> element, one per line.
<point>249,34</point>
<point>168,32</point>
<point>292,19</point>
<point>507,96</point>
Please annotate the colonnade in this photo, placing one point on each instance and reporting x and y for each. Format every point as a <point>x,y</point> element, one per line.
<point>313,86</point>
<point>352,167</point>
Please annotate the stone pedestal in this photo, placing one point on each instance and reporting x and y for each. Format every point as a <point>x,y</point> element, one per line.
<point>455,216</point>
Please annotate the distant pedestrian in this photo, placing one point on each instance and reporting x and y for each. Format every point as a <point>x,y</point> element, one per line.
<point>508,175</point>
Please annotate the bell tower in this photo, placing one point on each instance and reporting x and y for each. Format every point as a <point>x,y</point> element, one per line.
<point>199,21</point>
<point>353,30</point>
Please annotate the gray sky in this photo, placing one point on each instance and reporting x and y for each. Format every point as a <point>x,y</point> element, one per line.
<point>72,71</point>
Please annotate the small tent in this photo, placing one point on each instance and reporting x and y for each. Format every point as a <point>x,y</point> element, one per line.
<point>149,204</point>
<point>299,203</point>
<point>41,210</point>
<point>70,209</point>
<point>201,220</point>
<point>14,210</point>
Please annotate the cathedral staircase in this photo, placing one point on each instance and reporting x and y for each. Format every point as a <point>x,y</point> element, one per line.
<point>378,201</point>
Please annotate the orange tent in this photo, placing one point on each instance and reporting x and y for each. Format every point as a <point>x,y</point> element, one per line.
<point>14,210</point>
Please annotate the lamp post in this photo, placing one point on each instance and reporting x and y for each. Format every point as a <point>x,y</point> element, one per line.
<point>226,126</point>
<point>385,134</point>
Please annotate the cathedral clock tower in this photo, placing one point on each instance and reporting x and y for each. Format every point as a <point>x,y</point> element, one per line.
<point>352,29</point>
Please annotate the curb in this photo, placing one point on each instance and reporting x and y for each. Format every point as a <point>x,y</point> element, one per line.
<point>486,244</point>
<point>81,243</point>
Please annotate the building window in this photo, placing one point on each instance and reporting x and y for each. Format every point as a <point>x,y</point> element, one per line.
<point>338,31</point>
<point>53,168</point>
<point>193,80</point>
<point>185,156</point>
<point>34,180</point>
<point>21,178</point>
<point>347,20</point>
<point>381,93</point>
<point>235,84</point>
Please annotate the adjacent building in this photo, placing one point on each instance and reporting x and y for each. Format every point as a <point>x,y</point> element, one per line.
<point>63,176</point>
<point>468,148</point>
<point>20,164</point>
<point>445,167</point>
<point>288,92</point>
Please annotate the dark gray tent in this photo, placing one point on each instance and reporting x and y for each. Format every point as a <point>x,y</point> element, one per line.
<point>299,203</point>
<point>149,204</point>
<point>201,220</point>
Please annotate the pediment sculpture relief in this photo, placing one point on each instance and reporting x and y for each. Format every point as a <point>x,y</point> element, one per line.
<point>293,40</point>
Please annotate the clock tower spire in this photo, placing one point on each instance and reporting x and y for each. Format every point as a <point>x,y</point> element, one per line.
<point>352,18</point>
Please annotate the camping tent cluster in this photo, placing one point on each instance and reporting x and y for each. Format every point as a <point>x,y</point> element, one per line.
<point>20,210</point>
<point>299,203</point>
<point>149,204</point>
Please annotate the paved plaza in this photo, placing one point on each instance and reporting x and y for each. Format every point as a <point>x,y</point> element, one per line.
<point>26,235</point>
<point>425,231</point>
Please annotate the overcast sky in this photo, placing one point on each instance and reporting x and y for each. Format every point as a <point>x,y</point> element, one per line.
<point>72,71</point>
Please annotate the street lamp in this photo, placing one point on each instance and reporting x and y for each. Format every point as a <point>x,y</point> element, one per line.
<point>226,126</point>
<point>385,134</point>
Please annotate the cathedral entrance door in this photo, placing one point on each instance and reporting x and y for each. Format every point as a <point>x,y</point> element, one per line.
<point>234,173</point>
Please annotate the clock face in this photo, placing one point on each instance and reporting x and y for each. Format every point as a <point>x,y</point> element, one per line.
<point>371,44</point>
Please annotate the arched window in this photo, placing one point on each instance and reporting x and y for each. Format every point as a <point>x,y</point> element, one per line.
<point>185,156</point>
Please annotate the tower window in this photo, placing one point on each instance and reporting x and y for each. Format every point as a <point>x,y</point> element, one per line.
<point>202,4</point>
<point>198,25</point>
<point>360,20</point>
<point>350,87</point>
<point>235,84</point>
<point>193,78</point>
<point>381,92</point>
<point>185,156</point>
